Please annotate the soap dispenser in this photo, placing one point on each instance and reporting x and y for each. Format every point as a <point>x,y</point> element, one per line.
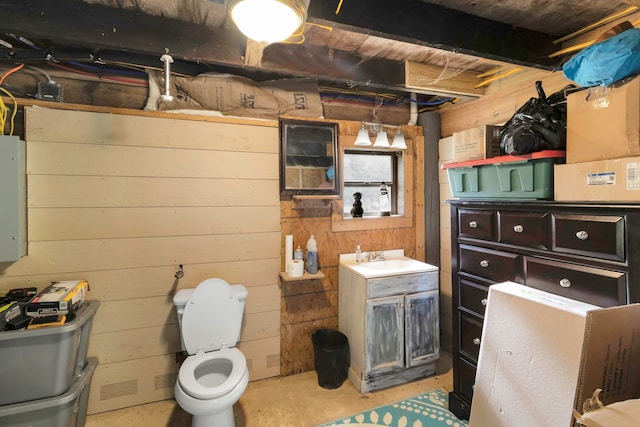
<point>311,263</point>
<point>385,201</point>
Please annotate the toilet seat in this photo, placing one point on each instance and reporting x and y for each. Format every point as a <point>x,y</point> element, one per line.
<point>190,384</point>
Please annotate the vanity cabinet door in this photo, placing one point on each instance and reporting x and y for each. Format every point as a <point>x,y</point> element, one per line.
<point>422,328</point>
<point>384,326</point>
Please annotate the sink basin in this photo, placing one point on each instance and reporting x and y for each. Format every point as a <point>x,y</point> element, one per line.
<point>390,264</point>
<point>389,267</point>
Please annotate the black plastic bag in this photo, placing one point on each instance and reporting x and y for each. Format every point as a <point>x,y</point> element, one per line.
<point>540,124</point>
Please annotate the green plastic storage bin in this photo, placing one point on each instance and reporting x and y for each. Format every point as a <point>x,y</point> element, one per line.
<point>528,176</point>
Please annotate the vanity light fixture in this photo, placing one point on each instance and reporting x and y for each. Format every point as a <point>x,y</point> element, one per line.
<point>362,139</point>
<point>268,21</point>
<point>399,141</point>
<point>381,139</point>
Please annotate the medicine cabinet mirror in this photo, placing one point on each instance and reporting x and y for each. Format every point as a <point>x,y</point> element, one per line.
<point>309,160</point>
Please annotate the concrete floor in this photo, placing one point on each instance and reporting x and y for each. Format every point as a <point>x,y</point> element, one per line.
<point>296,401</point>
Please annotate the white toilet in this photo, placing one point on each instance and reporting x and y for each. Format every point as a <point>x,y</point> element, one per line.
<point>215,374</point>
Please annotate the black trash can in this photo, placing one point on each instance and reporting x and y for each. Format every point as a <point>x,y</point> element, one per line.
<point>331,351</point>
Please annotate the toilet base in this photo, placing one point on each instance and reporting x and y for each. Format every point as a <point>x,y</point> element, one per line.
<point>224,418</point>
<point>215,413</point>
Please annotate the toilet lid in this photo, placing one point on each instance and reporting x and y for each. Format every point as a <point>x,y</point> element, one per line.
<point>212,317</point>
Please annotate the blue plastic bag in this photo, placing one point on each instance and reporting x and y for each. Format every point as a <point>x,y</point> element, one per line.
<point>606,62</point>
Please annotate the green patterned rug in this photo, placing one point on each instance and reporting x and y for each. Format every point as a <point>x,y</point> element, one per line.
<point>424,410</point>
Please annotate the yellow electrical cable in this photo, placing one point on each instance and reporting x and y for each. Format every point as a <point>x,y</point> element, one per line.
<point>603,21</point>
<point>498,77</point>
<point>338,8</point>
<point>4,108</point>
<point>3,116</point>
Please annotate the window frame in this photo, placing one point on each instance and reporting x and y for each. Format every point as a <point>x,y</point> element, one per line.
<point>395,185</point>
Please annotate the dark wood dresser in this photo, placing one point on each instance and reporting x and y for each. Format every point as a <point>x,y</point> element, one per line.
<point>587,252</point>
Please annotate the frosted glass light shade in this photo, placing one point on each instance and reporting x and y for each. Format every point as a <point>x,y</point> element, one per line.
<point>268,21</point>
<point>363,138</point>
<point>382,141</point>
<point>399,142</point>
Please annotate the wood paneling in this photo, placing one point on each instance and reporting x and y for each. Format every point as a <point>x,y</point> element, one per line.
<point>122,201</point>
<point>98,191</point>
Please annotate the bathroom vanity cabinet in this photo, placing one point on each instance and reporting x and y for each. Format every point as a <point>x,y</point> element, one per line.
<point>587,252</point>
<point>392,324</point>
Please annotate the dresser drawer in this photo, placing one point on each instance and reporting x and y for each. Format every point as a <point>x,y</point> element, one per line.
<point>489,264</point>
<point>466,378</point>
<point>600,236</point>
<point>477,224</point>
<point>595,286</point>
<point>524,229</point>
<point>473,296</point>
<point>470,334</point>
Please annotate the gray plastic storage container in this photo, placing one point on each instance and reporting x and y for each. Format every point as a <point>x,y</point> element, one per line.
<point>40,363</point>
<point>67,410</point>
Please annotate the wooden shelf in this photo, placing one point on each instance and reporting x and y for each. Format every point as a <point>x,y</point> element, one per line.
<point>306,276</point>
<point>315,197</point>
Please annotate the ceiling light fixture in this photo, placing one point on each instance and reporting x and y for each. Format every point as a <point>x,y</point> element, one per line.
<point>268,21</point>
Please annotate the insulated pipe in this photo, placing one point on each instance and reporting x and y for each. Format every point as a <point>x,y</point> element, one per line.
<point>413,105</point>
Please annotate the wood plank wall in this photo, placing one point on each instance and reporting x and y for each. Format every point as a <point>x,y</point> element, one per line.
<point>122,201</point>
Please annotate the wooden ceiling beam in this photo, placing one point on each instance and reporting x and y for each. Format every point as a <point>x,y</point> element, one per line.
<point>435,26</point>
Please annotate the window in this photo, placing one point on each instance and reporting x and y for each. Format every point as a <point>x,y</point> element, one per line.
<point>365,172</point>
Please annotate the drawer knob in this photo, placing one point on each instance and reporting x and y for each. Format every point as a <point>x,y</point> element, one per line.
<point>582,235</point>
<point>484,263</point>
<point>518,228</point>
<point>473,224</point>
<point>483,301</point>
<point>565,283</point>
<point>476,341</point>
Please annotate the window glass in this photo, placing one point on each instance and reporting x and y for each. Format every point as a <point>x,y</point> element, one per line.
<point>364,172</point>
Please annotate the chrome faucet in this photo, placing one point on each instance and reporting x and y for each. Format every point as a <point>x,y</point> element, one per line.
<point>376,256</point>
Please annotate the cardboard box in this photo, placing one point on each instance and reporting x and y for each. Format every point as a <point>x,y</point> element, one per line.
<point>604,123</point>
<point>481,142</point>
<point>542,355</point>
<point>607,180</point>
<point>58,298</point>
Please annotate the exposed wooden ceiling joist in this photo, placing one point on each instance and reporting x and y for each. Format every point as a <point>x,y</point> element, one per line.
<point>439,27</point>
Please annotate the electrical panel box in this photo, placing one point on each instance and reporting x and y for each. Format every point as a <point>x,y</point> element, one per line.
<point>12,199</point>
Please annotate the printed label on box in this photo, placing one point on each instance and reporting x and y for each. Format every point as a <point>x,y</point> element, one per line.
<point>633,176</point>
<point>601,178</point>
